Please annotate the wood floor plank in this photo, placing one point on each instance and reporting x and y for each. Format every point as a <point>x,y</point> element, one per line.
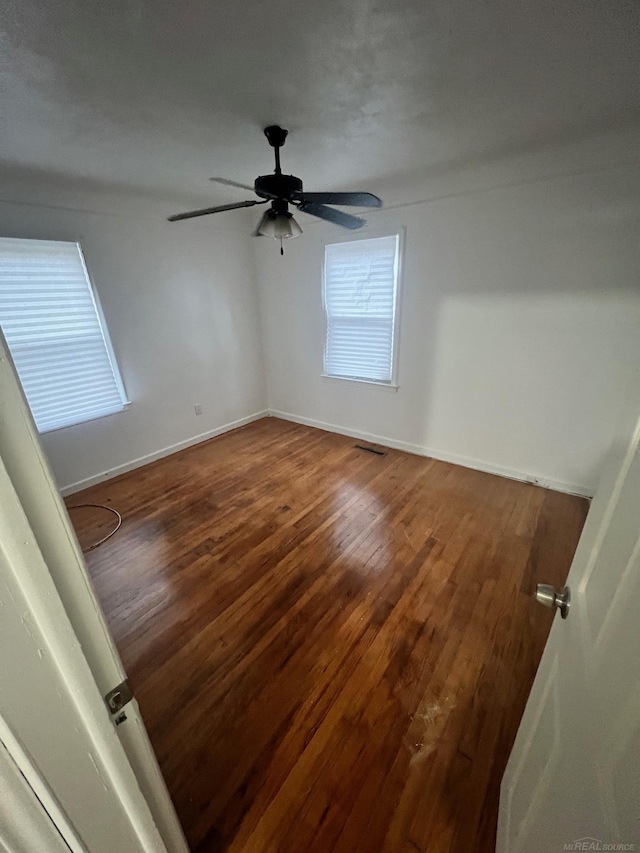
<point>350,639</point>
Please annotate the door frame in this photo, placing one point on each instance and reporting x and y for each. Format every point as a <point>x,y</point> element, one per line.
<point>30,474</point>
<point>52,711</point>
<point>24,788</point>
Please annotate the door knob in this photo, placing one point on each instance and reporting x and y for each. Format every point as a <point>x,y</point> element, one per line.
<point>548,596</point>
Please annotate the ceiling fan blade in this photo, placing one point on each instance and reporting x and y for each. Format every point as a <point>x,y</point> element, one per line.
<point>354,199</point>
<point>347,220</point>
<point>229,183</point>
<point>221,207</point>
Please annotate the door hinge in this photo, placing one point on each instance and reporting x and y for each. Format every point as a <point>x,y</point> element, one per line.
<point>117,698</point>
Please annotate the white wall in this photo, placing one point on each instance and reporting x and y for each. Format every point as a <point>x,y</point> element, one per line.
<point>520,327</point>
<point>180,304</point>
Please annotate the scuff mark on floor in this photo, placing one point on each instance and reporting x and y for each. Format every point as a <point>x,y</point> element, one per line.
<point>421,740</point>
<point>406,536</point>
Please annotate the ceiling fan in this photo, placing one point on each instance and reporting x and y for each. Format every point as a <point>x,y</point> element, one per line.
<point>284,190</point>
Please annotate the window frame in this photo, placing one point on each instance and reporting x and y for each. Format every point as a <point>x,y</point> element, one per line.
<point>369,234</point>
<point>104,329</point>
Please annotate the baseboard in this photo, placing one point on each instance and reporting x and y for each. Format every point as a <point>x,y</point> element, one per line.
<point>158,454</point>
<point>419,450</point>
<point>443,456</point>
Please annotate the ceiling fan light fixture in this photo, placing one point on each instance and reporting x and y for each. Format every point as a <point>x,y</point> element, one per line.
<point>267,225</point>
<point>286,227</point>
<point>280,225</point>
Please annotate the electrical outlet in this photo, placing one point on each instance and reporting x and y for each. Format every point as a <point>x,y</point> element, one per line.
<point>198,408</point>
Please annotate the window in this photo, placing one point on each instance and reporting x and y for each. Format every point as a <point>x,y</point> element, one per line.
<point>360,299</point>
<point>56,334</point>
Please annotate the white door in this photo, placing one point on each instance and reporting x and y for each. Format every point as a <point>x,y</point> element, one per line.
<point>31,477</point>
<point>573,778</point>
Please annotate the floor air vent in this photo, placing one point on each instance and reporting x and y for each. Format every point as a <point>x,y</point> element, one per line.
<point>370,449</point>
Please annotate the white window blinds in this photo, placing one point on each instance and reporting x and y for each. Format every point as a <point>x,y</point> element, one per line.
<point>53,328</point>
<point>360,296</point>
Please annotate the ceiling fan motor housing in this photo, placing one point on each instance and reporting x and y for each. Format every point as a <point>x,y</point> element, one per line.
<point>277,186</point>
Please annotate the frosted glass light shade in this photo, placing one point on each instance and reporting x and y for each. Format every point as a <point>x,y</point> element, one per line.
<point>281,226</point>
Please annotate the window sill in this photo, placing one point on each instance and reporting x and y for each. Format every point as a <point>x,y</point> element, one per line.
<point>388,386</point>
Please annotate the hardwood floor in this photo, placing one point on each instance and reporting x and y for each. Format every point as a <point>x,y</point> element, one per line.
<point>331,649</point>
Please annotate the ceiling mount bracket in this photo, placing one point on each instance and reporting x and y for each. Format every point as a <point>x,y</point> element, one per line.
<point>276,135</point>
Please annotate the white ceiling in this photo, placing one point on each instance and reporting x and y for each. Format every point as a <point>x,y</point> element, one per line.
<point>157,95</point>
